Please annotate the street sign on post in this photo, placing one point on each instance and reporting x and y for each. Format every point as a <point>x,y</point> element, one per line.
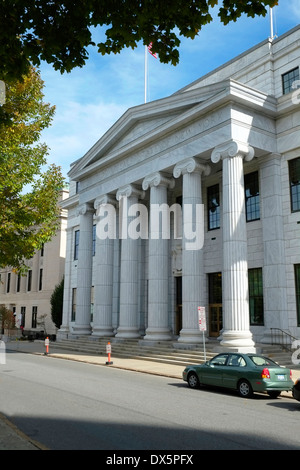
<point>202,325</point>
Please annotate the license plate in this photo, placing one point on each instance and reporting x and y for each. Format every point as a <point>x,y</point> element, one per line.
<point>281,377</point>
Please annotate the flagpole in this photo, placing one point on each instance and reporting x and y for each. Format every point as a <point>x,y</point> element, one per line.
<point>271,23</point>
<point>146,72</point>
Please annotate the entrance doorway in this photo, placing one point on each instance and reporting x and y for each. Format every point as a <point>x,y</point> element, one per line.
<point>215,304</point>
<point>178,305</point>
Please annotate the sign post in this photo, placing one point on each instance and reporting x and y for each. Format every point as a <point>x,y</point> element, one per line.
<point>47,342</point>
<point>202,325</point>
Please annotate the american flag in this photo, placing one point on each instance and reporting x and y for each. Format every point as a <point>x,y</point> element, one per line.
<point>150,50</point>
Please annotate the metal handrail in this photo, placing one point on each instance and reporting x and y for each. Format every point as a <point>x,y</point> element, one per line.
<point>286,338</point>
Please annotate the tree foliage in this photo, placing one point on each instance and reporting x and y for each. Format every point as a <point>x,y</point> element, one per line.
<point>60,32</point>
<point>29,214</point>
<point>56,302</point>
<point>7,319</point>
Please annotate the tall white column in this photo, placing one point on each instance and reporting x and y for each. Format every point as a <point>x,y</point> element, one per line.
<point>128,319</point>
<point>67,302</point>
<point>158,280</point>
<point>103,285</point>
<point>236,334</point>
<point>192,251</point>
<point>84,271</point>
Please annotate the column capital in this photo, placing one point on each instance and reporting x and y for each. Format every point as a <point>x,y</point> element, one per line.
<point>158,179</point>
<point>85,208</point>
<point>190,165</point>
<point>128,191</point>
<point>231,149</point>
<point>104,200</point>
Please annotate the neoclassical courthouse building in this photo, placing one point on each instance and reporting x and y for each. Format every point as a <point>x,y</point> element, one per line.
<point>229,144</point>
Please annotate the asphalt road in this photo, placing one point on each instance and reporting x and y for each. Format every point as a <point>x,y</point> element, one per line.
<point>67,405</point>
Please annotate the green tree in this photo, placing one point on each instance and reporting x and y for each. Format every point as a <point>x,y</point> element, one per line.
<point>28,192</point>
<point>60,32</point>
<point>7,319</point>
<point>56,302</point>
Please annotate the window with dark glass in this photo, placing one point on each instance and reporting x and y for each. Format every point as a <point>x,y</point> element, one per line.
<point>29,280</point>
<point>252,196</point>
<point>41,279</point>
<point>213,204</point>
<point>294,172</point>
<point>288,79</point>
<point>18,282</point>
<point>8,282</point>
<point>256,299</point>
<point>34,317</point>
<point>76,244</point>
<point>297,285</point>
<point>73,316</point>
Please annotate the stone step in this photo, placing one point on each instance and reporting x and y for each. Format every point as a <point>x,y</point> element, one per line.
<point>160,352</point>
<point>163,352</point>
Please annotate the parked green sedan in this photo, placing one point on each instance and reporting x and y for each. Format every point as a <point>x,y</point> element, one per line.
<point>246,373</point>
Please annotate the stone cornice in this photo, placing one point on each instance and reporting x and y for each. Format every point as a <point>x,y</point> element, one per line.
<point>231,149</point>
<point>158,179</point>
<point>190,165</point>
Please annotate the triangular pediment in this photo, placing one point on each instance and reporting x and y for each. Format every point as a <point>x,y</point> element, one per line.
<point>141,125</point>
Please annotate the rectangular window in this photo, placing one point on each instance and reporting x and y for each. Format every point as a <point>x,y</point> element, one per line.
<point>294,172</point>
<point>288,79</point>
<point>213,204</point>
<point>29,280</point>
<point>73,316</point>
<point>256,299</point>
<point>34,317</point>
<point>23,313</point>
<point>297,284</point>
<point>18,282</point>
<point>76,244</point>
<point>252,196</point>
<point>41,279</point>
<point>8,282</point>
<point>92,303</point>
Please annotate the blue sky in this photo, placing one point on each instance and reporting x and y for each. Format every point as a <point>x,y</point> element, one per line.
<point>90,99</point>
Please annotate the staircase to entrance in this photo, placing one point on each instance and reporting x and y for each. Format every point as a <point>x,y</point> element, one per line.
<point>167,352</point>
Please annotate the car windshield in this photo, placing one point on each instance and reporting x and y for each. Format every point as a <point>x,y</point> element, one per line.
<point>262,361</point>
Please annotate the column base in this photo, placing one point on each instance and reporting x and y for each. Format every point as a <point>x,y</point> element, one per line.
<point>81,330</point>
<point>103,331</point>
<point>158,334</point>
<point>238,341</point>
<point>62,333</point>
<point>190,336</point>
<point>126,332</point>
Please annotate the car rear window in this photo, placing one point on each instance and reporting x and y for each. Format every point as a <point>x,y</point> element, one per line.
<point>262,361</point>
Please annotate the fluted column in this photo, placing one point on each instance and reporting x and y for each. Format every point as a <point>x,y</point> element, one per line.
<point>236,326</point>
<point>192,250</point>
<point>128,318</point>
<point>103,285</point>
<point>158,321</point>
<point>84,271</point>
<point>67,299</point>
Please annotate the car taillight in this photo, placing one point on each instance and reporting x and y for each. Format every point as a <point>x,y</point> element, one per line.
<point>265,374</point>
<point>291,374</point>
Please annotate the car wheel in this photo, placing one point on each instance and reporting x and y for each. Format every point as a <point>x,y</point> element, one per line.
<point>193,380</point>
<point>245,389</point>
<point>273,394</point>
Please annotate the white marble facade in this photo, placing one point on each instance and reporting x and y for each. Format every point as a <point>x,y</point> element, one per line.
<point>235,121</point>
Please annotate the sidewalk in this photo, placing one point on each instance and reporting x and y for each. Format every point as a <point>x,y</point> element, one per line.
<point>12,439</point>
